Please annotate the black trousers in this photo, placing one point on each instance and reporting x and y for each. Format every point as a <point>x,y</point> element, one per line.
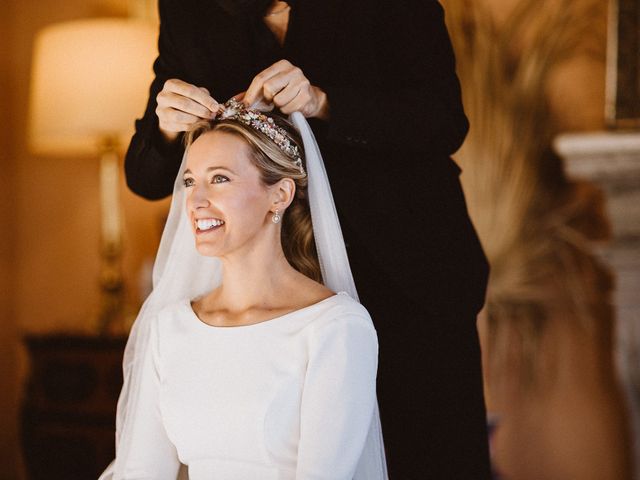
<point>429,377</point>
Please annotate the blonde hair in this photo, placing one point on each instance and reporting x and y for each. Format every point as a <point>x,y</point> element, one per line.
<point>297,238</point>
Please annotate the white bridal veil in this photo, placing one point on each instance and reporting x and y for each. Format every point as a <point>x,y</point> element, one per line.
<point>180,272</point>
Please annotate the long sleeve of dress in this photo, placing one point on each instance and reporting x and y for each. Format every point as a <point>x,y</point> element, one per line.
<point>338,398</point>
<point>148,454</point>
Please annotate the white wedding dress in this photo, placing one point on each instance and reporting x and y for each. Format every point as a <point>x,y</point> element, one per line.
<point>288,398</point>
<point>292,398</point>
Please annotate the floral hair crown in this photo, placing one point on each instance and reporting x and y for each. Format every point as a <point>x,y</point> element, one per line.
<point>235,110</point>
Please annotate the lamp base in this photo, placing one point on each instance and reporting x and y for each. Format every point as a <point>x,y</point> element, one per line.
<point>111,315</point>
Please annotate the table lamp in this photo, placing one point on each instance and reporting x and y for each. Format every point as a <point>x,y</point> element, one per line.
<point>90,81</point>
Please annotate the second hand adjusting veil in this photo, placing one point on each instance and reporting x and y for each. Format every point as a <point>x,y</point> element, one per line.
<point>181,272</point>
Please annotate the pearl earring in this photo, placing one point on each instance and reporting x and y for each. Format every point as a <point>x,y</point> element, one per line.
<point>276,217</point>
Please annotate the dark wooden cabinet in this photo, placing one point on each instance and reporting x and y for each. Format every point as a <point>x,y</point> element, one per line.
<point>68,412</point>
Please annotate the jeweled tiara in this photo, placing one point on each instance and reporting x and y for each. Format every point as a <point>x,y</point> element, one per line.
<point>235,110</point>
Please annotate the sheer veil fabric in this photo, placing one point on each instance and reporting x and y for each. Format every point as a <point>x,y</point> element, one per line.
<point>181,272</point>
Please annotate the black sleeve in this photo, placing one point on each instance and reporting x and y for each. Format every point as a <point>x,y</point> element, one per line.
<point>151,164</point>
<point>416,104</point>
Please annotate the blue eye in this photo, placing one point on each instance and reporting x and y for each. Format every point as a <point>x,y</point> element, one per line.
<point>188,182</point>
<point>219,179</point>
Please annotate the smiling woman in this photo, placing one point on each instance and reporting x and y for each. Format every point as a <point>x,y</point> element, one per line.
<point>241,364</point>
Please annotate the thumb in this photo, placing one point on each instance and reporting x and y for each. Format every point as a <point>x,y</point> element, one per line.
<point>207,100</point>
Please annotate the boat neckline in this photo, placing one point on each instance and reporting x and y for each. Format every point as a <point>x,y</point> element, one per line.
<point>206,325</point>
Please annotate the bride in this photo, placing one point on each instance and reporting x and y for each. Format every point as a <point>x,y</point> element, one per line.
<point>244,363</point>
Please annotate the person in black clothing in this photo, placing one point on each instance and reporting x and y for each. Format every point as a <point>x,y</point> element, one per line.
<point>377,82</point>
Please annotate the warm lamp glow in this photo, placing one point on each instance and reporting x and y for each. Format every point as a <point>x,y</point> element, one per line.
<point>90,81</point>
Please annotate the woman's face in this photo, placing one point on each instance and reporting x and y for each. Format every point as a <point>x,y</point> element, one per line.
<point>227,202</point>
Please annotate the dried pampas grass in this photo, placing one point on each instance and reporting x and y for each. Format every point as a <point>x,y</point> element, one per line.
<point>535,226</point>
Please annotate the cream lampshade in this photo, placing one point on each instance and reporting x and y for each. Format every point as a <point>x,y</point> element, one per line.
<point>90,81</point>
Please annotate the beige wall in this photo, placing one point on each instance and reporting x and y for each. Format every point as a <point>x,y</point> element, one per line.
<point>9,453</point>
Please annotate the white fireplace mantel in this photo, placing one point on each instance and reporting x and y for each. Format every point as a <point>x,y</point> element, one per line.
<point>601,156</point>
<point>611,160</point>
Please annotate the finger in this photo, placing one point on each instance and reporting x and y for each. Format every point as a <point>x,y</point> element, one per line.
<point>292,91</point>
<point>184,104</point>
<point>302,103</point>
<point>214,108</point>
<point>277,84</point>
<point>261,105</point>
<point>255,90</point>
<point>294,106</point>
<point>172,116</point>
<point>292,100</point>
<point>286,96</point>
<point>197,94</point>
